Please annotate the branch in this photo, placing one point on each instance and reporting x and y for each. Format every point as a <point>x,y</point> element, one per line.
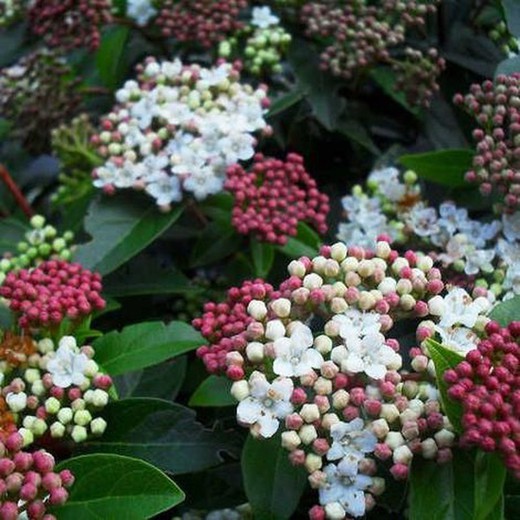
<point>15,192</point>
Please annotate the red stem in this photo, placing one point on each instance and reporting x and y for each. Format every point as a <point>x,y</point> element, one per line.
<point>15,192</point>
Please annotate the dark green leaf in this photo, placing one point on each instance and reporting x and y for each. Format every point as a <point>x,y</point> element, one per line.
<point>506,312</point>
<point>120,228</point>
<point>263,257</point>
<point>214,391</point>
<point>162,433</point>
<point>114,487</point>
<point>273,485</point>
<point>355,131</point>
<point>12,231</point>
<point>444,359</point>
<point>508,66</point>
<point>215,243</point>
<point>490,476</point>
<point>305,243</point>
<point>386,79</point>
<point>144,344</point>
<point>512,12</point>
<point>110,56</point>
<point>285,101</point>
<point>446,167</point>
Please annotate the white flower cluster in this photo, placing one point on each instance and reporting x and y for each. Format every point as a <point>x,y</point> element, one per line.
<point>141,11</point>
<point>262,17</point>
<point>397,210</point>
<point>177,129</point>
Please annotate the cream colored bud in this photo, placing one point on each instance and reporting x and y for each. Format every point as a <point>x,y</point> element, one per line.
<point>323,344</point>
<point>436,305</point>
<point>240,390</point>
<point>313,462</point>
<point>331,268</point>
<point>65,415</point>
<point>318,264</point>
<point>98,426</point>
<point>79,434</point>
<point>365,268</point>
<point>310,413</point>
<point>297,268</point>
<point>380,428</point>
<point>444,438</point>
<point>57,430</point>
<point>255,352</point>
<point>399,264</point>
<point>312,281</point>
<point>383,249</point>
<point>257,309</point>
<point>404,286</point>
<point>402,455</point>
<point>308,434</point>
<point>429,448</point>
<point>424,263</point>
<point>338,305</point>
<point>389,412</point>
<point>349,264</point>
<point>323,386</point>
<point>334,511</point>
<point>32,375</point>
<point>338,251</point>
<point>394,440</point>
<point>274,329</point>
<point>281,307</point>
<point>387,286</point>
<point>340,399</point>
<point>290,440</point>
<point>331,329</point>
<point>329,420</point>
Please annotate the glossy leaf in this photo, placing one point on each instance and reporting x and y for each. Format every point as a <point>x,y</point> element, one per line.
<point>490,476</point>
<point>512,12</point>
<point>12,231</point>
<point>386,79</point>
<point>110,56</point>
<point>144,344</point>
<point>506,312</point>
<point>213,391</point>
<point>263,257</point>
<point>113,487</point>
<point>444,359</point>
<point>215,243</point>
<point>273,485</point>
<point>305,243</point>
<point>120,228</point>
<point>162,433</point>
<point>446,167</point>
<point>285,102</point>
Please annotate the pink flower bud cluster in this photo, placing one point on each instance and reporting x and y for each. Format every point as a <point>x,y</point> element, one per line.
<point>225,324</point>
<point>28,481</point>
<point>273,197</point>
<point>496,165</point>
<point>203,22</point>
<point>362,35</point>
<point>486,384</point>
<point>70,23</point>
<point>55,290</point>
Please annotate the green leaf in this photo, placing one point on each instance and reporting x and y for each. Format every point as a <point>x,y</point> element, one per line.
<point>512,13</point>
<point>355,131</point>
<point>120,228</point>
<point>144,344</point>
<point>213,391</point>
<point>508,66</point>
<point>5,128</point>
<point>490,476</point>
<point>386,79</point>
<point>109,58</point>
<point>273,485</point>
<point>263,257</point>
<point>320,88</point>
<point>215,243</point>
<point>12,231</point>
<point>444,359</point>
<point>506,312</point>
<point>285,101</point>
<point>162,433</point>
<point>446,167</point>
<point>114,487</point>
<point>305,243</point>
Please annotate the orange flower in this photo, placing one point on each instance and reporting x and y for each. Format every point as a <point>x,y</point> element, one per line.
<point>16,349</point>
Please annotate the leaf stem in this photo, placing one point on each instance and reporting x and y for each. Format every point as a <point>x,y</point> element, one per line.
<point>15,192</point>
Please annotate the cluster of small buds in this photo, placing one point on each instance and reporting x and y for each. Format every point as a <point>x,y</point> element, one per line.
<point>416,75</point>
<point>204,22</point>
<point>495,107</point>
<point>36,95</point>
<point>72,145</point>
<point>177,129</point>
<point>486,384</point>
<point>44,296</point>
<point>265,43</point>
<point>474,254</point>
<point>339,395</point>
<point>55,392</point>
<point>28,482</point>
<point>10,10</point>
<point>41,243</point>
<point>273,197</point>
<point>70,24</point>
<point>224,326</point>
<point>362,35</point>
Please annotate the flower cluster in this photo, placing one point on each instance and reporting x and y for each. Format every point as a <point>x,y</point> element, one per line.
<point>58,392</point>
<point>28,481</point>
<point>317,359</point>
<point>36,95</point>
<point>52,291</point>
<point>204,22</point>
<point>10,10</point>
<point>495,108</point>
<point>41,243</point>
<point>70,23</point>
<point>71,144</point>
<point>177,129</point>
<point>273,197</point>
<point>486,385</point>
<point>362,35</point>
<point>394,206</point>
<point>264,43</point>
<point>141,11</point>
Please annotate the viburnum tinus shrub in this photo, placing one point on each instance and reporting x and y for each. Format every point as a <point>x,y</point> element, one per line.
<point>316,360</point>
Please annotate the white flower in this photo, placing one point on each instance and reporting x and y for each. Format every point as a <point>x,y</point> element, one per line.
<point>140,10</point>
<point>512,279</point>
<point>351,439</point>
<point>479,260</point>
<point>263,17</point>
<point>459,339</point>
<point>164,189</point>
<point>423,220</point>
<point>354,323</point>
<point>211,77</point>
<point>266,404</point>
<point>452,218</point>
<point>16,402</point>
<point>67,366</point>
<point>295,355</point>
<point>457,307</point>
<point>511,225</point>
<point>345,487</point>
<point>388,184</point>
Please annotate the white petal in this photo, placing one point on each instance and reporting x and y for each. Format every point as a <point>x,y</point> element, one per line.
<point>268,425</point>
<point>249,410</point>
<point>282,367</point>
